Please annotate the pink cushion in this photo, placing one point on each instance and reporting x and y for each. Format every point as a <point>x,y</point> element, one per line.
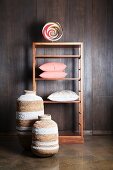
<point>53,66</point>
<point>54,74</point>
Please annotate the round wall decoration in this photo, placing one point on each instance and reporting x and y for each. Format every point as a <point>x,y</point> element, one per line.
<point>52,31</point>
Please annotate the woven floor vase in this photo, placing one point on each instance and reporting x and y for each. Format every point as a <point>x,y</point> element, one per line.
<point>45,137</point>
<point>29,107</point>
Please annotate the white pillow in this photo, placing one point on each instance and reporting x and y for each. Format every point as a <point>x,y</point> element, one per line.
<point>64,95</point>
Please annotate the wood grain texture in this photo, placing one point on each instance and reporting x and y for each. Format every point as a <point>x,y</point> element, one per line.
<point>15,54</point>
<point>90,21</point>
<point>61,12</point>
<point>102,55</point>
<point>88,64</point>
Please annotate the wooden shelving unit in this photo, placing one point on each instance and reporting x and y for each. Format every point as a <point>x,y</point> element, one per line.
<point>74,137</point>
<point>58,79</point>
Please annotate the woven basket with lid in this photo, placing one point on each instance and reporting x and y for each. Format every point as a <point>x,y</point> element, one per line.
<point>45,137</point>
<point>29,107</point>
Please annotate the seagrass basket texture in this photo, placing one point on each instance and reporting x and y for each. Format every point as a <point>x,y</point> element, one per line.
<point>29,107</point>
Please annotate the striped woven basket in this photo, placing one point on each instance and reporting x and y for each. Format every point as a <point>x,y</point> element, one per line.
<point>29,107</point>
<point>45,137</point>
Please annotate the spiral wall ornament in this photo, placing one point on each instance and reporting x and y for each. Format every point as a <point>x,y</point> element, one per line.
<point>52,31</point>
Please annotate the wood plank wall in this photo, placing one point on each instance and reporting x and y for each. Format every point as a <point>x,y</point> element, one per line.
<point>90,21</point>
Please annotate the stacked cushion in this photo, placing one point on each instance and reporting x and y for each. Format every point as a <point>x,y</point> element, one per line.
<point>53,66</point>
<point>51,75</point>
<point>53,70</point>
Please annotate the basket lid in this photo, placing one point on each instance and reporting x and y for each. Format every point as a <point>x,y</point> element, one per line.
<point>29,96</point>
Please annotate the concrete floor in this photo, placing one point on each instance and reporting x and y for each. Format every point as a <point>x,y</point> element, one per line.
<point>95,154</point>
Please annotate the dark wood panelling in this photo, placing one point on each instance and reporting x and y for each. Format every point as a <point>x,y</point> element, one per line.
<point>89,21</point>
<point>15,53</point>
<point>102,57</point>
<point>88,65</point>
<point>72,22</point>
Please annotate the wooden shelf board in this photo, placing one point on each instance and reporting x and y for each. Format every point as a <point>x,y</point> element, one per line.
<point>51,102</point>
<point>57,56</point>
<point>68,136</point>
<point>58,79</point>
<point>68,133</point>
<point>57,43</point>
<point>71,140</point>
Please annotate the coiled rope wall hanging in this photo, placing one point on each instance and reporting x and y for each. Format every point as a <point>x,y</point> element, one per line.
<point>52,31</point>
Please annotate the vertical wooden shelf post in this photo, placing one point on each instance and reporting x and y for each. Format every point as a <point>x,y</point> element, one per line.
<point>34,65</point>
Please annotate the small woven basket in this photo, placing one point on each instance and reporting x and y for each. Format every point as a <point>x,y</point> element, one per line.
<point>45,137</point>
